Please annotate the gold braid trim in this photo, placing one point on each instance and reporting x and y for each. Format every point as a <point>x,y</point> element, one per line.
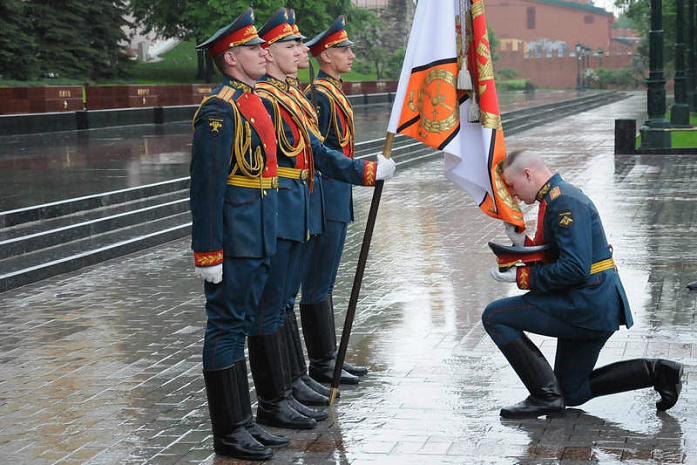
<point>242,144</point>
<point>284,145</point>
<point>344,139</point>
<point>309,113</point>
<point>249,163</point>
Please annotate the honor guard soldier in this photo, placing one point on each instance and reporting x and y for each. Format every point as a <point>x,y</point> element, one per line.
<point>298,151</point>
<point>384,170</point>
<point>575,296</point>
<point>233,199</point>
<point>332,48</point>
<point>301,380</point>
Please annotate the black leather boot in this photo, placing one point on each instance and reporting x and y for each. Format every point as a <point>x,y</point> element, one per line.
<point>317,387</point>
<point>356,370</point>
<point>230,436</point>
<point>301,390</point>
<point>266,362</point>
<point>664,376</point>
<point>320,340</point>
<point>257,432</point>
<point>534,371</point>
<point>301,408</point>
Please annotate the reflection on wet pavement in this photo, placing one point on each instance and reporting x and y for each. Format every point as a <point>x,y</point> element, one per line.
<point>102,366</point>
<point>42,168</point>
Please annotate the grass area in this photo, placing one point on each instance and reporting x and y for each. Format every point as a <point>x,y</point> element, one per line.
<point>684,139</point>
<point>178,66</point>
<point>680,139</point>
<point>512,84</point>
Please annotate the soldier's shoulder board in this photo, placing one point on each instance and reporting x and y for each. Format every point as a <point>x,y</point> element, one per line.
<point>554,193</point>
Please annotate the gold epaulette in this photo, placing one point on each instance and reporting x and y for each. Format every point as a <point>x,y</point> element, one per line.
<point>226,94</point>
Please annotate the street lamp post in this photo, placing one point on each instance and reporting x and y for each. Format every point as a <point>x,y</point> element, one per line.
<point>578,66</point>
<point>652,133</point>
<point>587,66</point>
<point>680,111</point>
<point>691,61</point>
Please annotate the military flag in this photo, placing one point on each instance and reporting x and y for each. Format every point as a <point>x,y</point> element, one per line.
<point>461,116</point>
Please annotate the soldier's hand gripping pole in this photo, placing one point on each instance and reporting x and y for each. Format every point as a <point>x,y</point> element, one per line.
<point>358,279</point>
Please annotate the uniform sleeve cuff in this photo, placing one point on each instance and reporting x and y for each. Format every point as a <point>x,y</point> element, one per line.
<point>369,173</point>
<point>523,277</point>
<point>208,258</point>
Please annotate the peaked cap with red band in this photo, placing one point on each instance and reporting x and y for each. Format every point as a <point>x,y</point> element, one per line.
<point>294,26</point>
<point>278,28</point>
<point>335,36</point>
<point>240,32</point>
<point>510,255</point>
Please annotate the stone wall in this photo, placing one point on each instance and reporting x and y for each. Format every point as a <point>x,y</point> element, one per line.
<point>398,17</point>
<point>554,72</point>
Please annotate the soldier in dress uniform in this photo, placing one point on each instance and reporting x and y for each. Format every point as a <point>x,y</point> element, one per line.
<point>301,380</point>
<point>233,198</point>
<point>332,49</point>
<point>299,369</point>
<point>577,298</point>
<point>298,152</point>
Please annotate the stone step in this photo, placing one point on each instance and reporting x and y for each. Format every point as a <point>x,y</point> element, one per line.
<point>122,218</point>
<point>30,267</point>
<point>87,216</point>
<point>72,206</point>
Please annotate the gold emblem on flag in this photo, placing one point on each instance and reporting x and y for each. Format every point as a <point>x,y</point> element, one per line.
<point>502,192</point>
<point>436,95</point>
<point>491,120</point>
<point>484,66</point>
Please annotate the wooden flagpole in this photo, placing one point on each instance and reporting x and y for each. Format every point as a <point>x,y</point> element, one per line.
<point>358,279</point>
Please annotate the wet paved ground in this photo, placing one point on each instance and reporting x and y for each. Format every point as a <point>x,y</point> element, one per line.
<point>102,366</point>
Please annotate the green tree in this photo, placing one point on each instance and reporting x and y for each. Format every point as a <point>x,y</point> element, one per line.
<point>494,43</point>
<point>394,64</point>
<point>315,16</point>
<point>199,19</point>
<point>106,39</point>
<point>638,14</point>
<point>17,46</point>
<point>79,39</point>
<point>367,31</point>
<point>624,22</point>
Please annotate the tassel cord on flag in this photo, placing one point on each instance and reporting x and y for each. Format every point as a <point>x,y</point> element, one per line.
<point>464,78</point>
<point>358,278</point>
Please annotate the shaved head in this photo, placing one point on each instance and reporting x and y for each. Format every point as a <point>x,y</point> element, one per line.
<point>524,172</point>
<point>519,159</point>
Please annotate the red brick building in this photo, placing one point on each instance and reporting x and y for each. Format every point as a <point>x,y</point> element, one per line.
<point>568,22</point>
<point>538,39</point>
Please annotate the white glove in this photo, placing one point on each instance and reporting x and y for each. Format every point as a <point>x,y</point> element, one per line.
<point>508,276</point>
<point>386,167</point>
<point>212,274</point>
<point>517,238</point>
